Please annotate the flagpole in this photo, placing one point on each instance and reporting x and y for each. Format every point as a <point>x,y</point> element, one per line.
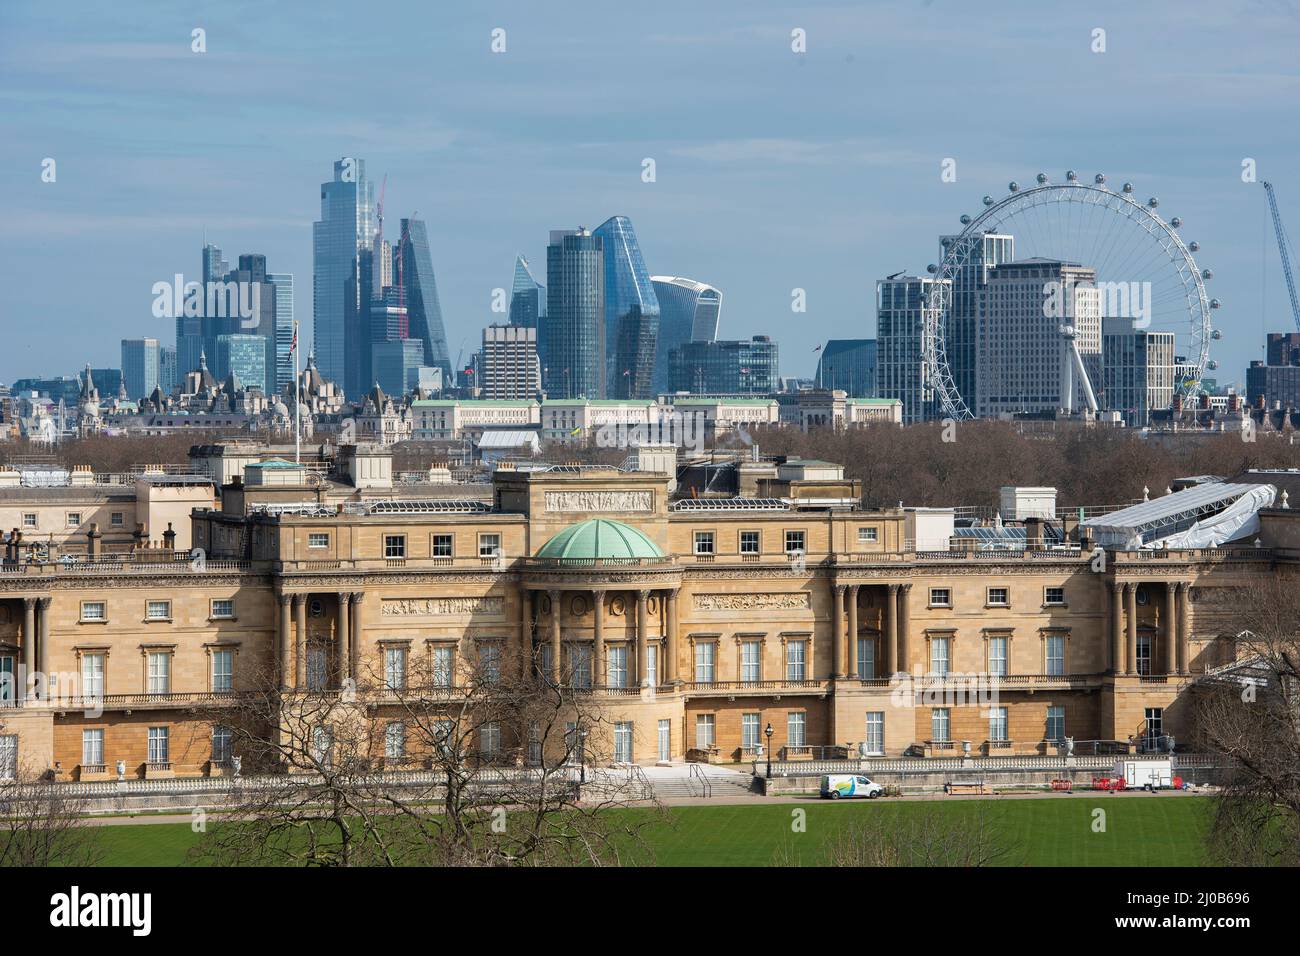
<point>297,401</point>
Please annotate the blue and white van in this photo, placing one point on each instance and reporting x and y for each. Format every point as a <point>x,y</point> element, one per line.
<point>844,785</point>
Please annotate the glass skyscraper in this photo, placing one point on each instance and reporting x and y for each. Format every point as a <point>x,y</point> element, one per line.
<point>971,278</point>
<point>140,367</point>
<point>849,365</point>
<point>282,283</point>
<point>573,332</point>
<point>527,297</point>
<point>423,313</point>
<point>744,367</point>
<point>631,312</point>
<point>902,372</point>
<point>689,311</point>
<point>244,356</point>
<point>346,227</point>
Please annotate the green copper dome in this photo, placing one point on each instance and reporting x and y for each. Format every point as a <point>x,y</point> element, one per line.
<point>600,539</point>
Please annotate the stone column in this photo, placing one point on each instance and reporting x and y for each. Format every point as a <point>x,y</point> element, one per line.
<point>358,630</point>
<point>891,632</point>
<point>1184,628</point>
<point>344,629</point>
<point>850,654</point>
<point>599,677</point>
<point>1130,609</point>
<point>525,631</point>
<point>1169,649</point>
<point>904,622</point>
<point>642,638</point>
<point>43,648</point>
<point>29,643</point>
<point>300,641</point>
<point>555,635</point>
<point>669,663</point>
<point>837,628</point>
<point>286,641</point>
<point>1116,627</point>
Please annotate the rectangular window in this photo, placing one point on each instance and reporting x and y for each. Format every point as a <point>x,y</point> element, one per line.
<point>317,664</point>
<point>939,725</point>
<point>322,746</point>
<point>580,665</point>
<point>394,546</point>
<point>441,546</point>
<point>489,739</point>
<point>998,725</point>
<point>796,729</point>
<point>750,734</point>
<point>92,747</point>
<point>74,519</point>
<point>117,519</point>
<point>704,542</point>
<point>489,658</point>
<point>867,536</point>
<point>92,675</point>
<point>158,610</point>
<point>939,656</point>
<point>616,666</point>
<point>94,611</point>
<point>623,741</point>
<point>489,545</point>
<point>875,739</point>
<point>749,542</point>
<point>534,743</point>
<point>223,671</point>
<point>1155,724</point>
<point>796,660</point>
<point>395,740</point>
<point>1144,654</point>
<point>223,609</point>
<point>1056,722</point>
<point>8,689</point>
<point>160,672</point>
<point>222,739</point>
<point>751,660</point>
<point>652,665</point>
<point>1055,654</point>
<point>1054,595</point>
<point>159,745</point>
<point>866,658</point>
<point>395,668</point>
<point>29,519</point>
<point>940,597</point>
<point>794,541</point>
<point>705,725</point>
<point>999,597</point>
<point>318,539</point>
<point>998,656</point>
<point>443,659</point>
<point>706,653</point>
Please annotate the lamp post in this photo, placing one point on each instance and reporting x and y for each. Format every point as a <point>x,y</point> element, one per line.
<point>768,734</point>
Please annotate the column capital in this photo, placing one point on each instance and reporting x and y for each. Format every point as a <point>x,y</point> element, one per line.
<point>358,596</point>
<point>598,593</point>
<point>345,598</point>
<point>43,602</point>
<point>906,587</point>
<point>1116,586</point>
<point>299,600</point>
<point>29,603</point>
<point>1184,586</point>
<point>643,595</point>
<point>284,598</point>
<point>893,587</point>
<point>840,589</point>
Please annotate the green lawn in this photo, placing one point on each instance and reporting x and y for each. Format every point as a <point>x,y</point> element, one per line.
<point>1140,831</point>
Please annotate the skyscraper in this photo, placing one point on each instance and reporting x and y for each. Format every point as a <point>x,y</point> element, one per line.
<point>169,374</point>
<point>902,311</point>
<point>282,286</point>
<point>244,357</point>
<point>527,297</point>
<point>255,291</point>
<point>850,365</point>
<point>631,312</point>
<point>743,367</point>
<point>1137,370</point>
<point>140,367</point>
<point>346,227</point>
<point>423,312</point>
<point>689,311</point>
<point>509,368</point>
<point>970,278</point>
<point>215,266</point>
<point>358,373</point>
<point>573,332</point>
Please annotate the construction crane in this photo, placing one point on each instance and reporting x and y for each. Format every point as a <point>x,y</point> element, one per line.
<point>1284,250</point>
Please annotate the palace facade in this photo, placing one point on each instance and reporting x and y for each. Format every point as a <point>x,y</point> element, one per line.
<point>695,624</point>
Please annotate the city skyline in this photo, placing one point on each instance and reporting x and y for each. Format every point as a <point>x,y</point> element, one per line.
<point>829,200</point>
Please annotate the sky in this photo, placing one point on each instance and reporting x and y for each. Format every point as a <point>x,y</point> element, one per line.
<point>773,170</point>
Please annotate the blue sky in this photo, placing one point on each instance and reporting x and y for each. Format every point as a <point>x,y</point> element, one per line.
<point>774,170</point>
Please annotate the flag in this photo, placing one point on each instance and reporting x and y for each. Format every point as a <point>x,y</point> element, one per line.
<point>293,346</point>
<point>627,372</point>
<point>576,430</point>
<point>817,349</point>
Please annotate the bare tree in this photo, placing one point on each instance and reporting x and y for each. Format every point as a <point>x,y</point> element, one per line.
<point>40,825</point>
<point>1248,713</point>
<point>479,768</point>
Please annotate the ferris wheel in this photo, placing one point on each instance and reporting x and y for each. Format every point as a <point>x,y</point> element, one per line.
<point>1130,247</point>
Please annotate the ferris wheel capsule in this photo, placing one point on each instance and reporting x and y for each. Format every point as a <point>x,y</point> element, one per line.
<point>1211,365</point>
<point>1153,202</point>
<point>988,200</point>
<point>1042,178</point>
<point>1215,304</point>
<point>1013,186</point>
<point>1176,221</point>
<point>965,220</point>
<point>1099,179</point>
<point>1216,335</point>
<point>932,268</point>
<point>1071,175</point>
<point>1207,274</point>
<point>1128,187</point>
<point>1194,246</point>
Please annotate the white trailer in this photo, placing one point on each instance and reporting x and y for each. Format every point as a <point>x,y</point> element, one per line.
<point>1146,773</point>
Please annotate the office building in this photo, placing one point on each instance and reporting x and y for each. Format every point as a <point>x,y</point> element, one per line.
<point>744,367</point>
<point>282,294</point>
<point>1283,348</point>
<point>573,332</point>
<point>169,374</point>
<point>972,260</point>
<point>141,360</point>
<point>244,357</point>
<point>509,365</point>
<point>527,297</point>
<point>1137,371</point>
<point>396,364</point>
<point>424,313</point>
<point>848,365</point>
<point>689,311</point>
<point>345,228</point>
<point>903,314</point>
<point>631,312</point>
